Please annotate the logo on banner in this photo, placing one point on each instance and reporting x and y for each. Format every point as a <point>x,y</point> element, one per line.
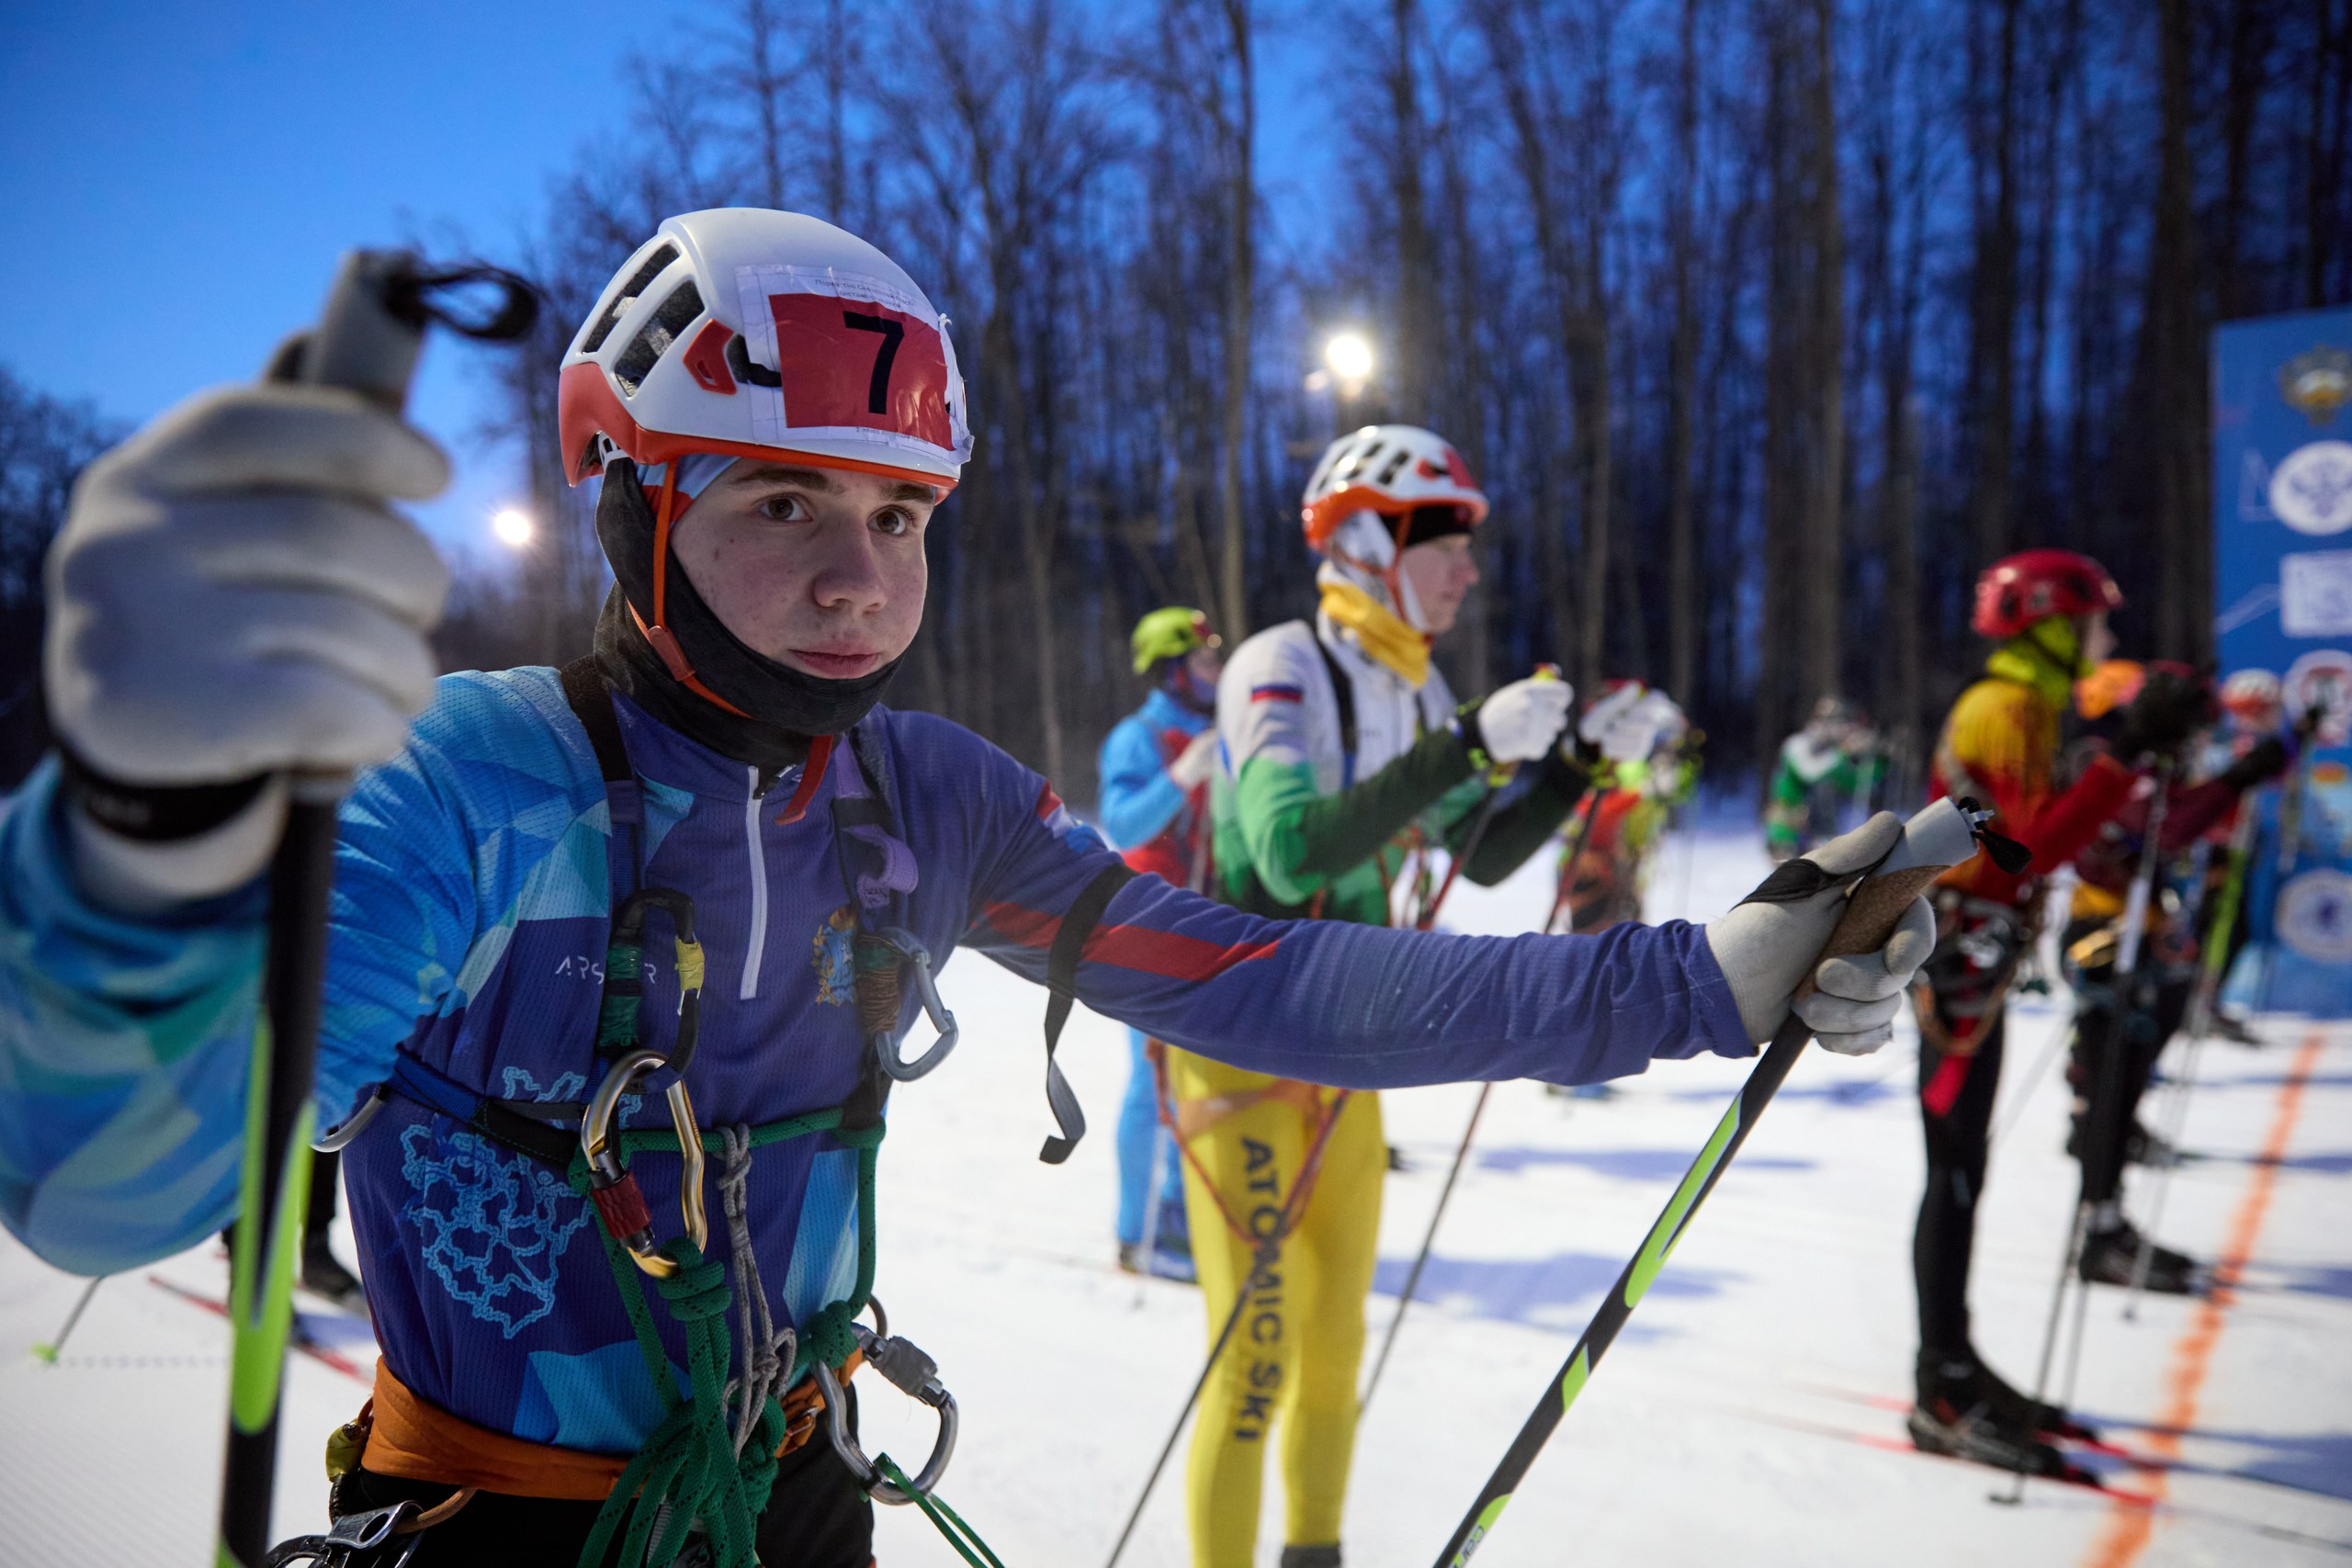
<point>2317,382</point>
<point>2323,679</point>
<point>2314,916</point>
<point>2311,490</point>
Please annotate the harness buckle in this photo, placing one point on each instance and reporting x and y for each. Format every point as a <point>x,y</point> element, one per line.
<point>910,951</point>
<point>615,1190</point>
<point>908,1369</point>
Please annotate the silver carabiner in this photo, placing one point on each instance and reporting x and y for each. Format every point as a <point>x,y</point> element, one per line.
<point>914,1374</point>
<point>885,1046</point>
<point>351,1126</point>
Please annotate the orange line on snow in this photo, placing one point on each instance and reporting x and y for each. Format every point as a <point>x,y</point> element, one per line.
<point>2130,1525</point>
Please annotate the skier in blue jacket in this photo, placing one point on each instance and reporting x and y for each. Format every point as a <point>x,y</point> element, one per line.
<point>1154,770</point>
<point>694,884</point>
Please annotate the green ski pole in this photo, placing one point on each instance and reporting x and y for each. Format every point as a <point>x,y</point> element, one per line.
<point>366,342</point>
<point>1933,840</point>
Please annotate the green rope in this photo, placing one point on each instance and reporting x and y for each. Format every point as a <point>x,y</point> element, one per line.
<point>689,1469</point>
<point>617,1014</point>
<point>949,1523</point>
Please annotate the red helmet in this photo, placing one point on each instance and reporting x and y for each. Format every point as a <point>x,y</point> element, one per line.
<point>2033,585</point>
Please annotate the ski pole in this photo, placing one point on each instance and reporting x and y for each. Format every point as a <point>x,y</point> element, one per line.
<point>1461,1150</point>
<point>48,1350</point>
<point>2200,1023</point>
<point>1935,840</point>
<point>2099,1133</point>
<point>366,342</point>
<point>1593,792</point>
<point>1429,1240</point>
<point>1261,1262</point>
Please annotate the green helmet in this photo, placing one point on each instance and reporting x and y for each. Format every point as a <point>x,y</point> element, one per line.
<point>1170,633</point>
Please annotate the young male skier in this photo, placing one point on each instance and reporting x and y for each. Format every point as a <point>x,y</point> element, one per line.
<point>2046,610</point>
<point>775,411</point>
<point>1339,738</point>
<point>1154,769</point>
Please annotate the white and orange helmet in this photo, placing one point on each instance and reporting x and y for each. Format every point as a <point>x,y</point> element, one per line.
<point>757,334</point>
<point>1393,470</point>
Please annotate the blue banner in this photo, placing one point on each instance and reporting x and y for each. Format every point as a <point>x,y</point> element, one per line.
<point>2282,596</point>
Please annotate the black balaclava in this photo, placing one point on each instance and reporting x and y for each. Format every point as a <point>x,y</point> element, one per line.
<point>781,706</point>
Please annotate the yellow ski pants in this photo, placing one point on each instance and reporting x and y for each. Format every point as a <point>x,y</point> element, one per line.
<point>1292,1359</point>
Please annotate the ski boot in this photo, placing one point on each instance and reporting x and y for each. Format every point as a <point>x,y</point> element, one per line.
<point>2142,1146</point>
<point>1965,1412</point>
<point>2110,1257</point>
<point>2011,1407</point>
<point>1311,1556</point>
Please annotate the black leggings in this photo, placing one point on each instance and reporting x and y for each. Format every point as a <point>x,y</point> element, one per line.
<point>1956,1140</point>
<point>816,1517</point>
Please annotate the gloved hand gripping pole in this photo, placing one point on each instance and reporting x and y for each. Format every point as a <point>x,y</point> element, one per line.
<point>1934,840</point>
<point>366,341</point>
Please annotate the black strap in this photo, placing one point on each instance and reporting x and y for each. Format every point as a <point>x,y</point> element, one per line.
<point>591,704</point>
<point>1343,690</point>
<point>1078,922</point>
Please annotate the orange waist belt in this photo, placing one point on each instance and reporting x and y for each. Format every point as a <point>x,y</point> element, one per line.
<point>411,1437</point>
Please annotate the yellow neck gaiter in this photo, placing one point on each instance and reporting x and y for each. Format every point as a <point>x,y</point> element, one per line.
<point>1387,639</point>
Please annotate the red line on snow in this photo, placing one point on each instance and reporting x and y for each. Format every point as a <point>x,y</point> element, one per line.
<point>2129,1528</point>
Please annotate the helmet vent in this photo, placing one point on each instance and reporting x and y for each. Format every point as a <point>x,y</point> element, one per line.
<point>637,284</point>
<point>669,325</point>
<point>1397,461</point>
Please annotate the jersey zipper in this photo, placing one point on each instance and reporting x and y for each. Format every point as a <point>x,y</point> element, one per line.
<point>759,939</point>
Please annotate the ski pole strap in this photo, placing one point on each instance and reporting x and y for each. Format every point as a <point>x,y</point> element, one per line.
<point>1078,923</point>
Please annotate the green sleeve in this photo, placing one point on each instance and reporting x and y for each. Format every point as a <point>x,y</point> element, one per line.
<point>1298,842</point>
<point>1521,829</point>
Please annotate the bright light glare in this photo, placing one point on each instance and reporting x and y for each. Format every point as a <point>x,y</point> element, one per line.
<point>513,526</point>
<point>1349,356</point>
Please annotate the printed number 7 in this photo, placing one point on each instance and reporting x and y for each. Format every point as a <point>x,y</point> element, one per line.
<point>878,391</point>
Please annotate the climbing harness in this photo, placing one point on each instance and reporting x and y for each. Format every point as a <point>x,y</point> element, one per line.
<point>707,1471</point>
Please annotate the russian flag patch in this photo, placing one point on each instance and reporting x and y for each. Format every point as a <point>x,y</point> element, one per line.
<point>1278,693</point>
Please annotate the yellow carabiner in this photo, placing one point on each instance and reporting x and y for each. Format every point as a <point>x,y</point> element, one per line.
<point>611,1187</point>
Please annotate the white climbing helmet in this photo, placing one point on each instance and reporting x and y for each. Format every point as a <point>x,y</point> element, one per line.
<point>1391,470</point>
<point>764,334</point>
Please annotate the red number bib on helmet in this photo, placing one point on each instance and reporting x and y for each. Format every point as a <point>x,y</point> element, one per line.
<point>849,362</point>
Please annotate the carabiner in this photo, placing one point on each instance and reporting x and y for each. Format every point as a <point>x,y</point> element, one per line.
<point>615,1190</point>
<point>910,951</point>
<point>912,1372</point>
<point>351,1126</point>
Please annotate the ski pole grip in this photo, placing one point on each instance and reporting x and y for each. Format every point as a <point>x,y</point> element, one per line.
<point>363,341</point>
<point>1933,841</point>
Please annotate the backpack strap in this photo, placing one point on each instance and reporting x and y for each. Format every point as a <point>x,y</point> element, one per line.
<point>1085,912</point>
<point>1343,692</point>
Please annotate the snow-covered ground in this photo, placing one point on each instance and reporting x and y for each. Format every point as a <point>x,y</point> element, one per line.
<point>1750,1412</point>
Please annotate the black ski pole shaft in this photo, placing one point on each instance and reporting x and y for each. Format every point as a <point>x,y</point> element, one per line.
<point>1263,1258</point>
<point>361,345</point>
<point>2100,1131</point>
<point>49,1350</point>
<point>1933,840</point>
<point>2213,963</point>
<point>1429,1241</point>
<point>365,342</point>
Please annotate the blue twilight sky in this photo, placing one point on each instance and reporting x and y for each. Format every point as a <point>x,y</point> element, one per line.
<point>181,177</point>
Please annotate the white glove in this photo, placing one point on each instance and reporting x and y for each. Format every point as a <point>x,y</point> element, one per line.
<point>1626,724</point>
<point>1520,722</point>
<point>1196,762</point>
<point>232,596</point>
<point>1766,948</point>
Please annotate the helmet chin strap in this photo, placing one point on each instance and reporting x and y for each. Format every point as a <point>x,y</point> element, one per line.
<point>658,636</point>
<point>1364,545</point>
